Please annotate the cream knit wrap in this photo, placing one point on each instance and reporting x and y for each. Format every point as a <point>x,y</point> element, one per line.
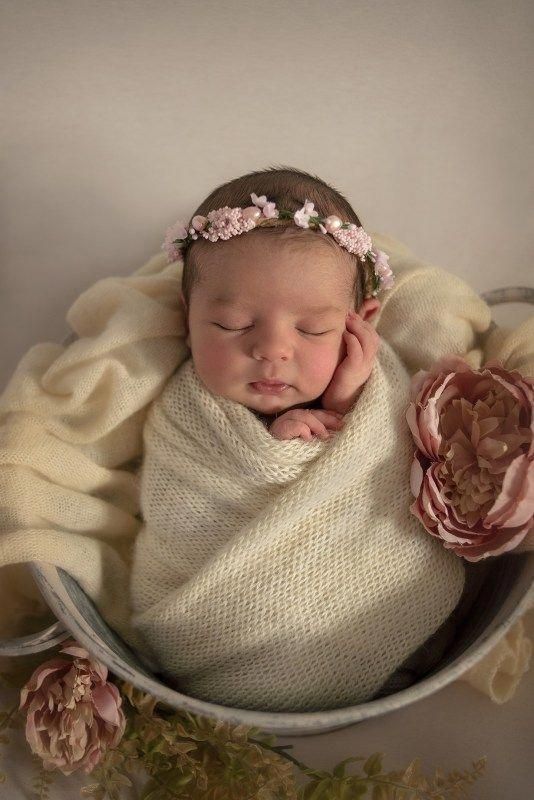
<point>284,576</point>
<point>72,421</point>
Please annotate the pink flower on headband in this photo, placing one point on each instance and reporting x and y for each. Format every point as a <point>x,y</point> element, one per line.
<point>176,231</point>
<point>383,270</point>
<point>225,223</point>
<point>198,223</point>
<point>302,216</point>
<point>353,239</point>
<point>268,209</point>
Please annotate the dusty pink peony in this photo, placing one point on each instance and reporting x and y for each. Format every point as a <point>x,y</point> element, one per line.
<point>73,714</point>
<point>473,470</point>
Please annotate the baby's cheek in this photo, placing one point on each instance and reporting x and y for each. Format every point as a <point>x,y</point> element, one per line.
<point>213,364</point>
<point>323,364</point>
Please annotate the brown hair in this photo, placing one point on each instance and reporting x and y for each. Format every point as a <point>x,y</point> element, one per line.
<point>288,188</point>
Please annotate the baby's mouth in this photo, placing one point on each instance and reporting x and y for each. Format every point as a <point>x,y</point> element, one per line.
<point>269,387</point>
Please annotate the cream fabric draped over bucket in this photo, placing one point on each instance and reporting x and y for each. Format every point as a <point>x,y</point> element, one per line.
<point>72,418</point>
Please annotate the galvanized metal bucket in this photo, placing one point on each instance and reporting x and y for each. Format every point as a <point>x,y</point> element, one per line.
<point>505,595</point>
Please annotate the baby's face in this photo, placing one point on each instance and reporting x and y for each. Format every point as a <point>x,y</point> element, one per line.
<point>268,309</point>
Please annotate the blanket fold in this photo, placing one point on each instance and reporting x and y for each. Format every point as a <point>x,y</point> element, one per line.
<point>72,419</point>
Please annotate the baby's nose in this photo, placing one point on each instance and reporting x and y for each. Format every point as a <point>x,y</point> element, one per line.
<point>271,350</point>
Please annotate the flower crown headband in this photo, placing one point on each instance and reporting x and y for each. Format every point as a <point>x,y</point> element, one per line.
<point>223,223</point>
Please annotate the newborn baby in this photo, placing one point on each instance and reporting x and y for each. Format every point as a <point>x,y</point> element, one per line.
<point>272,325</point>
<point>278,566</point>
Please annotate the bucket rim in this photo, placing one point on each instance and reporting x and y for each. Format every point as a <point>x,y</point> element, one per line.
<point>287,723</point>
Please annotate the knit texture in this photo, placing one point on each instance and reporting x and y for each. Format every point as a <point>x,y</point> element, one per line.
<point>72,420</point>
<point>284,575</point>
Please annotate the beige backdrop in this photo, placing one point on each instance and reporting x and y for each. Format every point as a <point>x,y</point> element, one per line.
<point>118,117</point>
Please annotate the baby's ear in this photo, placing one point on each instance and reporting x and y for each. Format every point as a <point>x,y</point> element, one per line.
<point>369,308</point>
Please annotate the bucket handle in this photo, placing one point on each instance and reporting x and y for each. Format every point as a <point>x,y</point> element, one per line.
<point>35,642</point>
<point>57,633</point>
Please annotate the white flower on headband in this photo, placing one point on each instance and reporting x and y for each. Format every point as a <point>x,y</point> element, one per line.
<point>302,216</point>
<point>268,209</point>
<point>258,201</point>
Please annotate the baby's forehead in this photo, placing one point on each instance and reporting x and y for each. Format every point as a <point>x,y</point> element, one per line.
<point>322,304</point>
<point>277,264</point>
<point>307,245</point>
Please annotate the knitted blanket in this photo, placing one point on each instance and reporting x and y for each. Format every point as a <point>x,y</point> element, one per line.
<point>284,575</point>
<point>72,419</point>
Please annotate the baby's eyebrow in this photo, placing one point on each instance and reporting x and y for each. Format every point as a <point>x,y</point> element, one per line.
<point>230,301</point>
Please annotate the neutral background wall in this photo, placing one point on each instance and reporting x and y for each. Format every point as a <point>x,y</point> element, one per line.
<point>118,117</point>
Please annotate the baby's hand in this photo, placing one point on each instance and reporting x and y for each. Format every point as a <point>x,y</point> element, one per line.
<point>303,423</point>
<point>362,342</point>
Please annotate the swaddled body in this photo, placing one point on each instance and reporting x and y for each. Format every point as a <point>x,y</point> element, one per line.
<point>275,570</point>
<point>284,576</point>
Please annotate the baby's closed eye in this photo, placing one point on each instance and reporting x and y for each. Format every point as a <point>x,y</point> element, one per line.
<point>249,327</point>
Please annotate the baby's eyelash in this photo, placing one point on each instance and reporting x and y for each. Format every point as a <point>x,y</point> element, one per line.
<point>231,329</point>
<point>308,333</point>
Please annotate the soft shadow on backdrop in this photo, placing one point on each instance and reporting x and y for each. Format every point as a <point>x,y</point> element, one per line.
<point>119,117</point>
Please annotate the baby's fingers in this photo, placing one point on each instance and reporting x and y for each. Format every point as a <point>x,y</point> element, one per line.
<point>291,429</point>
<point>332,420</point>
<point>353,345</point>
<point>363,333</point>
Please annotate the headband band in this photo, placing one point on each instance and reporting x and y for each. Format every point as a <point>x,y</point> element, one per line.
<point>223,223</point>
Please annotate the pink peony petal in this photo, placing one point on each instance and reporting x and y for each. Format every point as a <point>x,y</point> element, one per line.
<point>40,674</point>
<point>107,704</point>
<point>515,504</point>
<point>494,547</point>
<point>413,424</point>
<point>448,536</point>
<point>416,476</point>
<point>418,380</point>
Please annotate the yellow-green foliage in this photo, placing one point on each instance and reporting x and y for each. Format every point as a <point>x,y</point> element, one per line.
<point>178,756</point>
